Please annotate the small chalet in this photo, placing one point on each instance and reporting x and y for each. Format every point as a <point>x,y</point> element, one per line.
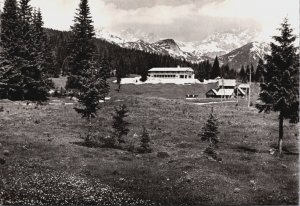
<point>227,88</point>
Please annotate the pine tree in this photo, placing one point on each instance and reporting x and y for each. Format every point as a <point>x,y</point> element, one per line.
<point>210,131</point>
<point>215,72</point>
<point>104,70</point>
<point>243,74</point>
<point>207,70</point>
<point>279,92</point>
<point>92,90</point>
<point>259,71</point>
<point>247,75</point>
<point>252,73</point>
<point>144,74</point>
<point>10,73</point>
<point>34,83</point>
<point>120,73</point>
<point>120,125</point>
<point>81,47</point>
<point>43,54</point>
<point>10,30</point>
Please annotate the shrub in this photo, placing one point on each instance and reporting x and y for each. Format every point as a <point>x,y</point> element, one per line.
<point>120,125</point>
<point>209,134</point>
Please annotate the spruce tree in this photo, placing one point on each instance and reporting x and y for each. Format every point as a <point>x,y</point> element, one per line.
<point>259,71</point>
<point>120,125</point>
<point>104,70</point>
<point>34,83</point>
<point>10,30</point>
<point>86,76</point>
<point>243,74</point>
<point>215,72</point>
<point>144,74</point>
<point>279,92</point>
<point>81,48</point>
<point>210,131</point>
<point>92,90</point>
<point>43,54</point>
<point>10,73</point>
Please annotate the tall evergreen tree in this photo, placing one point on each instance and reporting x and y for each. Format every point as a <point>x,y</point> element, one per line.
<point>243,75</point>
<point>43,54</point>
<point>259,71</point>
<point>252,73</point>
<point>10,73</point>
<point>86,76</point>
<point>120,125</point>
<point>279,92</point>
<point>215,72</point>
<point>210,131</point>
<point>34,83</point>
<point>81,47</point>
<point>10,30</point>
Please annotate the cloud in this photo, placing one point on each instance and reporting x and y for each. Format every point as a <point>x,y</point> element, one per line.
<point>183,19</point>
<point>268,13</point>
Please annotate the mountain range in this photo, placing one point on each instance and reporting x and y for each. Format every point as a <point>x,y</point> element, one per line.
<point>235,48</point>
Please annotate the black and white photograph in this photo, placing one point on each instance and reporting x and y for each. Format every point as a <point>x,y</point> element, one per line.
<point>149,102</point>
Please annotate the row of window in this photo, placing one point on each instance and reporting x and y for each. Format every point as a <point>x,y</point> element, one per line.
<point>173,76</point>
<point>165,76</point>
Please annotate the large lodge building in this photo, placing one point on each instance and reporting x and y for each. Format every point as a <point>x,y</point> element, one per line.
<point>172,73</point>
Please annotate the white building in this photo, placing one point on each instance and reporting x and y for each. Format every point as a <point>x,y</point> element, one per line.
<point>172,73</point>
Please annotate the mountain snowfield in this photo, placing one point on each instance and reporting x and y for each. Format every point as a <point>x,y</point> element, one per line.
<point>234,47</point>
<point>246,55</point>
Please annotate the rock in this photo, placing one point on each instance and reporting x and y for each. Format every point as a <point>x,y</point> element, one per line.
<point>2,161</point>
<point>163,155</point>
<point>211,158</point>
<point>25,147</point>
<point>6,153</point>
<point>188,179</point>
<point>272,151</point>
<point>236,190</point>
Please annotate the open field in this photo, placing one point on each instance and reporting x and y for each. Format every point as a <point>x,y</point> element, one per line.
<point>47,165</point>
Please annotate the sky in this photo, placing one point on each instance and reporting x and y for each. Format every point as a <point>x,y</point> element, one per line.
<point>184,20</point>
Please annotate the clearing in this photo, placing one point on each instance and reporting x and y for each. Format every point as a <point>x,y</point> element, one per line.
<point>47,165</point>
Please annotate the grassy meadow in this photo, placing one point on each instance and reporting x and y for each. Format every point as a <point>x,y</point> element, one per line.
<point>46,163</point>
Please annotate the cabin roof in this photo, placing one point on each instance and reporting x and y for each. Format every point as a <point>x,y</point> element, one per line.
<point>227,82</point>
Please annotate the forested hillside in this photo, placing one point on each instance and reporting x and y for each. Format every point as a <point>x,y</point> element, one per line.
<point>131,61</point>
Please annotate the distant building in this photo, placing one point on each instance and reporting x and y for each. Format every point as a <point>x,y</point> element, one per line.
<point>172,73</point>
<point>227,83</point>
<point>244,87</point>
<point>227,88</point>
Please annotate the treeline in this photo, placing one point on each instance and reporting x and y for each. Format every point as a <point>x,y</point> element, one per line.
<point>131,61</point>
